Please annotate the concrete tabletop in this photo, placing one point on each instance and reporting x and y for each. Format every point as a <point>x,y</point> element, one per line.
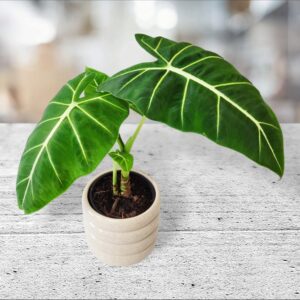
<point>229,228</point>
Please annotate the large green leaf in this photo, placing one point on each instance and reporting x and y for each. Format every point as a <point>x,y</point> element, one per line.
<point>195,90</point>
<point>73,136</point>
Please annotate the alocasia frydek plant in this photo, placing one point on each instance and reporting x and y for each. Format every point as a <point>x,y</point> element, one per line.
<point>187,88</point>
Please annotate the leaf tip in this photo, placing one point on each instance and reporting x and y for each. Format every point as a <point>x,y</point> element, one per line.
<point>27,212</point>
<point>88,70</point>
<point>139,36</point>
<point>281,173</point>
<point>20,206</point>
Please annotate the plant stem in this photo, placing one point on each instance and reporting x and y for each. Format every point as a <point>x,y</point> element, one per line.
<point>132,139</point>
<point>125,184</point>
<point>120,143</point>
<point>114,179</point>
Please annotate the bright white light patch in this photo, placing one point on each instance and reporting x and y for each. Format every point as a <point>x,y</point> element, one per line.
<point>160,14</point>
<point>166,18</point>
<point>23,25</point>
<point>145,13</point>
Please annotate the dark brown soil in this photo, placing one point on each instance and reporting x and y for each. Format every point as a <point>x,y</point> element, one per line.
<point>102,200</point>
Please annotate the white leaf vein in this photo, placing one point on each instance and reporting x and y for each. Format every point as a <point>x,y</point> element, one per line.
<point>156,88</point>
<point>183,101</point>
<point>44,145</point>
<point>77,138</point>
<point>95,120</point>
<point>212,88</point>
<point>52,164</point>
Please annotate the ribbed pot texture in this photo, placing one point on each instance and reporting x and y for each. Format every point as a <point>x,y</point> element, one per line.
<point>121,242</point>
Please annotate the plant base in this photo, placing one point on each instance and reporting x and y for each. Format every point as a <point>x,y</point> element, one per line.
<point>121,242</point>
<point>102,198</point>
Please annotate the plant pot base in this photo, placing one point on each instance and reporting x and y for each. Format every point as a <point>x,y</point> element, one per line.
<point>121,242</point>
<point>119,260</point>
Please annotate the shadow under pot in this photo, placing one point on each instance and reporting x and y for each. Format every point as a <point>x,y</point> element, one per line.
<point>114,239</point>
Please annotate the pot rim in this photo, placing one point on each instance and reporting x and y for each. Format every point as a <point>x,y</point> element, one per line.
<point>135,219</point>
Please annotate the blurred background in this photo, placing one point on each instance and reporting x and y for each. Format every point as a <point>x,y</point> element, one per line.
<point>45,43</point>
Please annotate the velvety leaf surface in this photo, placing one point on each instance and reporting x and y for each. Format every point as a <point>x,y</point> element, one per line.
<point>195,90</point>
<point>73,136</point>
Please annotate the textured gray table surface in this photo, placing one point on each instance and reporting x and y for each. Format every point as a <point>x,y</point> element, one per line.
<point>229,228</point>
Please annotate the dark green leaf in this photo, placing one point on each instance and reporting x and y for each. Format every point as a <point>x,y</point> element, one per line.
<point>73,136</point>
<point>195,90</point>
<point>93,84</point>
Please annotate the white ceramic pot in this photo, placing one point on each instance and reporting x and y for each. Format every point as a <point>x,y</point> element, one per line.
<point>121,242</point>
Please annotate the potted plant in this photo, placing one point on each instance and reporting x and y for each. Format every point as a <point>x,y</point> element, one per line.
<point>187,88</point>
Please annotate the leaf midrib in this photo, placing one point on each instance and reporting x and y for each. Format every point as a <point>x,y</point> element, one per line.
<point>226,98</point>
<point>44,145</point>
<point>65,115</point>
<point>124,159</point>
<point>188,76</point>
